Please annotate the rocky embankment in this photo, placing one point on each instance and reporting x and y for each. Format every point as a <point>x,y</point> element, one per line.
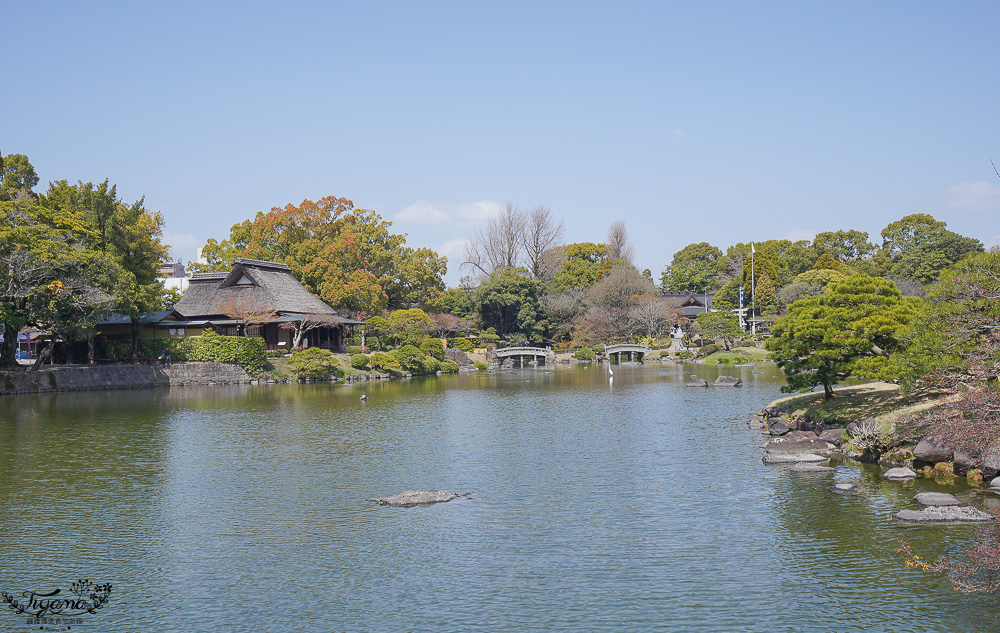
<point>807,447</point>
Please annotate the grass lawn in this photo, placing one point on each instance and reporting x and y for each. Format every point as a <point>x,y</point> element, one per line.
<point>739,355</point>
<point>856,402</point>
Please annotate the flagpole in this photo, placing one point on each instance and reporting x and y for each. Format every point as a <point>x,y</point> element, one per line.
<point>753,296</point>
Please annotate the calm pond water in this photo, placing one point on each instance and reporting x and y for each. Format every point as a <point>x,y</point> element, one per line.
<point>636,506</point>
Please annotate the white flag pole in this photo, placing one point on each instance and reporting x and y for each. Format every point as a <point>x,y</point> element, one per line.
<point>753,296</point>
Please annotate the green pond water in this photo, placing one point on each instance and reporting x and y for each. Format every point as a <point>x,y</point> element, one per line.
<point>638,505</point>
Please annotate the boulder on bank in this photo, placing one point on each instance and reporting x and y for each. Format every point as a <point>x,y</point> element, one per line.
<point>800,435</point>
<point>757,422</point>
<point>995,484</point>
<point>949,514</point>
<point>778,428</point>
<point>457,355</point>
<point>416,497</point>
<point>728,381</point>
<point>991,462</point>
<point>697,382</point>
<point>934,448</point>
<point>899,473</point>
<point>935,499</point>
<point>966,458</point>
<point>833,436</point>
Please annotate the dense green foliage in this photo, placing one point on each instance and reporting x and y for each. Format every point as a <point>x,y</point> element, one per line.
<point>210,347</point>
<point>449,366</point>
<point>584,353</point>
<point>359,361</point>
<point>851,330</point>
<point>722,327</point>
<point>694,267</point>
<point>433,347</point>
<point>461,343</point>
<point>312,362</point>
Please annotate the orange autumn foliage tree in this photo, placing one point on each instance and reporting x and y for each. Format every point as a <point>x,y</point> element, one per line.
<point>346,256</point>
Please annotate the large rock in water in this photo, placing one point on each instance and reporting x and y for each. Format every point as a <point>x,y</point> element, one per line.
<point>950,514</point>
<point>792,458</point>
<point>416,497</point>
<point>936,499</point>
<point>728,381</point>
<point>801,445</point>
<point>778,428</point>
<point>899,473</point>
<point>934,449</point>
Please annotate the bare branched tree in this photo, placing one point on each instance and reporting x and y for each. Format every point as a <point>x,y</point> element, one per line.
<point>309,322</point>
<point>249,311</point>
<point>541,234</point>
<point>499,246</point>
<point>653,317</point>
<point>619,246</point>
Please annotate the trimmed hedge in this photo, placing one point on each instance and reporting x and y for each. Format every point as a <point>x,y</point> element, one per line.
<point>359,361</point>
<point>449,366</point>
<point>210,347</point>
<point>461,343</point>
<point>384,362</point>
<point>355,349</point>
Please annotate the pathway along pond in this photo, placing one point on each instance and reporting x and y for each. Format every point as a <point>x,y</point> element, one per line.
<point>637,506</point>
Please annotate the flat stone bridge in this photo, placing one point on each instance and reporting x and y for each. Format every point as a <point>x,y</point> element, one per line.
<point>517,355</point>
<point>633,351</point>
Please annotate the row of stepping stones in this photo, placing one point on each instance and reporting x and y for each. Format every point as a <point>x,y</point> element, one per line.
<point>938,507</point>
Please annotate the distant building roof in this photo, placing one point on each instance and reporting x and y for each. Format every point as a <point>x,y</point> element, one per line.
<point>264,285</point>
<point>690,303</point>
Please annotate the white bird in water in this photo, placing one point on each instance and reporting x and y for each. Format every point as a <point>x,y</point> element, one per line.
<point>363,397</point>
<point>611,372</point>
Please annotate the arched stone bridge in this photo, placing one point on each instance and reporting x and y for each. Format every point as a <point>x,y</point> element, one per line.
<point>634,351</point>
<point>518,354</point>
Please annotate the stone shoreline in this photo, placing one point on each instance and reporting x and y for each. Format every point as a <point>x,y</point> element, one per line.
<point>806,445</point>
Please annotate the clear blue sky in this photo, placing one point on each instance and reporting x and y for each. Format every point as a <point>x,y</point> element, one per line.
<point>718,122</point>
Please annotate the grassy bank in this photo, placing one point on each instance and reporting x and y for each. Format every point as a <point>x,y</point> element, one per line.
<point>884,401</point>
<point>738,355</point>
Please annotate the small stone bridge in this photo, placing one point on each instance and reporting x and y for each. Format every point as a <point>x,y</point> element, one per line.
<point>518,354</point>
<point>634,351</point>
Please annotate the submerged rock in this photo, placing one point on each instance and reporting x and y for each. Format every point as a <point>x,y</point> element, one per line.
<point>811,468</point>
<point>728,381</point>
<point>844,487</point>
<point>698,382</point>
<point>417,497</point>
<point>899,473</point>
<point>935,499</point>
<point>948,514</point>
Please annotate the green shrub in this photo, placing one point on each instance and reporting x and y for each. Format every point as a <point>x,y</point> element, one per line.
<point>461,343</point>
<point>313,362</point>
<point>685,354</point>
<point>407,356</point>
<point>482,366</point>
<point>210,347</point>
<point>487,336</point>
<point>449,366</point>
<point>354,349</point>
<point>425,365</point>
<point>709,349</point>
<point>433,347</point>
<point>359,361</point>
<point>374,343</point>
<point>584,353</point>
<point>664,354</point>
<point>384,362</point>
<point>121,350</point>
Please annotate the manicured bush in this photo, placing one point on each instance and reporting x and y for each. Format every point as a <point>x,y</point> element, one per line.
<point>384,362</point>
<point>374,343</point>
<point>584,353</point>
<point>354,349</point>
<point>433,347</point>
<point>359,361</point>
<point>407,356</point>
<point>313,362</point>
<point>482,366</point>
<point>425,365</point>
<point>449,366</point>
<point>685,354</point>
<point>121,350</point>
<point>210,347</point>
<point>461,343</point>
<point>664,354</point>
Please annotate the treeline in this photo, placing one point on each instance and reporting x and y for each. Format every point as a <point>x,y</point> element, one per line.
<point>73,255</point>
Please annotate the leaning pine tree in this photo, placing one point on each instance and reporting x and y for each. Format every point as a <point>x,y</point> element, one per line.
<point>850,331</point>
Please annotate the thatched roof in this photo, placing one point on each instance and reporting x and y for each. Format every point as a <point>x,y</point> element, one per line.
<point>263,285</point>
